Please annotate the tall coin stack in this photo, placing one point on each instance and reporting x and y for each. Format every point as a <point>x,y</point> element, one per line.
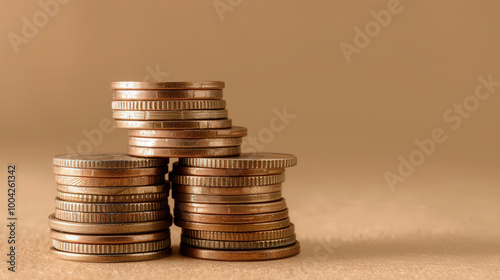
<point>175,119</point>
<point>110,208</point>
<point>232,209</point>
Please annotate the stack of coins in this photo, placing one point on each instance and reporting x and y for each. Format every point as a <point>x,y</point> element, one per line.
<point>232,209</point>
<point>110,208</point>
<point>175,119</point>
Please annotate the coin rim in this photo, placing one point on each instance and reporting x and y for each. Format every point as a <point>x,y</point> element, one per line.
<point>109,239</point>
<point>110,258</point>
<point>124,85</point>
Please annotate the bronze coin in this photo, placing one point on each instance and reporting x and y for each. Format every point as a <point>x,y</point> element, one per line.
<point>235,131</point>
<point>111,257</point>
<point>114,190</point>
<point>231,219</point>
<point>112,218</point>
<point>109,182</point>
<point>230,208</point>
<point>225,190</point>
<point>245,161</point>
<point>246,255</point>
<point>171,94</point>
<point>92,198</point>
<point>168,85</point>
<point>98,249</point>
<point>168,105</point>
<point>183,142</point>
<point>170,115</point>
<point>233,227</point>
<point>241,236</point>
<point>109,239</point>
<point>246,198</point>
<point>202,171</point>
<point>131,172</point>
<point>179,124</point>
<point>110,207</point>
<point>226,181</point>
<point>106,161</point>
<point>237,245</point>
<point>184,152</point>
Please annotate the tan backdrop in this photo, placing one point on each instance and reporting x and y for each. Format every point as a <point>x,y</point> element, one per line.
<point>350,87</point>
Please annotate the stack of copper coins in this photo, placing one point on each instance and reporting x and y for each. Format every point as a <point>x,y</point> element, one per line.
<point>110,208</point>
<point>175,119</point>
<point>232,208</point>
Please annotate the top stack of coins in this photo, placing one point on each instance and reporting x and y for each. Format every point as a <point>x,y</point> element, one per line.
<point>110,207</point>
<point>176,119</point>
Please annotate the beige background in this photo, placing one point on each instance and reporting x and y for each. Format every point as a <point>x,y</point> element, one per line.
<point>352,122</point>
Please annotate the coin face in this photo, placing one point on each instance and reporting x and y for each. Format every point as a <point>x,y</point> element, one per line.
<point>170,115</point>
<point>183,142</point>
<point>168,85</point>
<point>246,255</point>
<point>108,218</point>
<point>91,198</point>
<point>235,131</point>
<point>203,171</point>
<point>238,245</point>
<point>241,236</point>
<point>114,191</point>
<point>109,239</point>
<point>225,190</point>
<point>110,172</point>
<point>115,228</point>
<point>184,152</point>
<point>231,219</point>
<point>178,124</point>
<point>170,94</point>
<point>97,249</point>
<point>168,105</point>
<point>110,257</point>
<point>109,182</point>
<point>110,207</point>
<point>245,161</point>
<point>224,181</point>
<point>246,198</point>
<point>114,161</point>
<point>233,227</point>
<point>231,208</point>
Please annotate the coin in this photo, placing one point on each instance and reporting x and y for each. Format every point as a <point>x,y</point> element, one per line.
<point>118,228</point>
<point>113,161</point>
<point>235,131</point>
<point>245,161</point>
<point>238,245</point>
<point>170,94</point>
<point>127,248</point>
<point>168,85</point>
<point>91,198</point>
<point>118,191</point>
<point>247,255</point>
<point>168,105</point>
<point>170,115</point>
<point>111,257</point>
<point>214,181</point>
<point>241,236</point>
<point>109,239</point>
<point>233,227</point>
<point>184,152</point>
<point>179,124</point>
<point>109,182</point>
<point>203,171</point>
<point>183,142</point>
<point>225,191</point>
<point>229,208</point>
<point>107,218</point>
<point>246,198</point>
<point>231,219</point>
<point>93,172</point>
<point>110,207</point>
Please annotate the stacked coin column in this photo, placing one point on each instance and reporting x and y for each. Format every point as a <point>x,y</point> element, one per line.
<point>232,208</point>
<point>110,208</point>
<point>175,119</point>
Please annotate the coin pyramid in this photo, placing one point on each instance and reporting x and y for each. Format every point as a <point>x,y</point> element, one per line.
<point>175,119</point>
<point>110,207</point>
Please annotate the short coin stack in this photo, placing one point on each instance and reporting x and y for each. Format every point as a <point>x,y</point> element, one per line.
<point>110,208</point>
<point>232,209</point>
<point>175,119</point>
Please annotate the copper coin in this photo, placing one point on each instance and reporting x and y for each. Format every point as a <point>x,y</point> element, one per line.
<point>245,161</point>
<point>170,94</point>
<point>109,182</point>
<point>168,105</point>
<point>91,198</point>
<point>230,219</point>
<point>184,152</point>
<point>233,227</point>
<point>116,228</point>
<point>238,245</point>
<point>245,198</point>
<point>110,207</point>
<point>170,115</point>
<point>109,239</point>
<point>89,172</point>
<point>247,255</point>
<point>241,236</point>
<point>235,131</point>
<point>226,181</point>
<point>230,208</point>
<point>183,142</point>
<point>114,190</point>
<point>106,161</point>
<point>110,257</point>
<point>203,171</point>
<point>179,124</point>
<point>168,85</point>
<point>225,191</point>
<point>109,218</point>
<point>98,249</point>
